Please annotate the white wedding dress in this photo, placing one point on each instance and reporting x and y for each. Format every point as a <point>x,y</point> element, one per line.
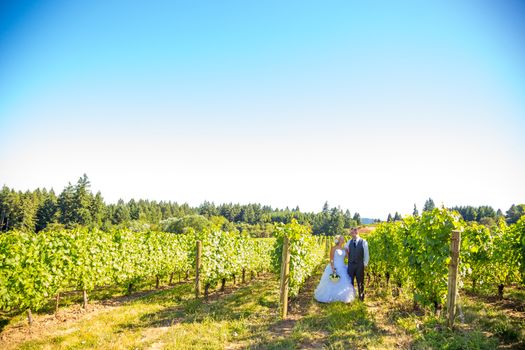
<point>329,291</point>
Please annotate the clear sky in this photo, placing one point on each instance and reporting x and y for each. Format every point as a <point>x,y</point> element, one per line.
<point>369,105</point>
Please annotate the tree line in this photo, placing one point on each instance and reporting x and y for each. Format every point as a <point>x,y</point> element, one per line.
<point>488,216</point>
<point>483,214</point>
<point>76,205</point>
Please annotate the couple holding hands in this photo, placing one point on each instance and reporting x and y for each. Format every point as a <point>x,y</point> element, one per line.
<point>337,281</point>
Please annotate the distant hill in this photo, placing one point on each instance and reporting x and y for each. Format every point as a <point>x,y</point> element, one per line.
<point>366,221</point>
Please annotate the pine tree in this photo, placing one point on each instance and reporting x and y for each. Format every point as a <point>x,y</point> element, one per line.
<point>326,208</point>
<point>429,205</point>
<point>27,210</point>
<point>6,208</point>
<point>47,212</point>
<point>348,219</point>
<point>415,212</point>
<point>66,206</point>
<point>98,210</point>
<point>336,222</point>
<point>121,213</point>
<point>83,202</point>
<point>15,210</point>
<point>514,213</point>
<point>357,218</point>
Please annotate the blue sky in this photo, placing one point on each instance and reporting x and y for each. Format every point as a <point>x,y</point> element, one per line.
<point>373,106</point>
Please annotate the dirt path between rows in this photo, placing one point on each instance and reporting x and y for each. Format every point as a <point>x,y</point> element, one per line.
<point>46,324</point>
<point>304,305</point>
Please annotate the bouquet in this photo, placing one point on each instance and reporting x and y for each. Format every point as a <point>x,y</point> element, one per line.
<point>334,277</point>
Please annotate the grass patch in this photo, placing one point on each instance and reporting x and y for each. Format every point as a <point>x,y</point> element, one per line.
<point>169,318</point>
<point>345,325</point>
<point>247,317</point>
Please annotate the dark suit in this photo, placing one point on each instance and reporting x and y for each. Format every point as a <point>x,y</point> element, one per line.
<point>356,264</point>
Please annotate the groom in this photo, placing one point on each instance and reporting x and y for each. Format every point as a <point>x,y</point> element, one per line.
<point>357,249</point>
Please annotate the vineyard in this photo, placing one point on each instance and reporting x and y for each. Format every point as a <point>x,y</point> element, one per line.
<point>408,266</point>
<point>36,267</point>
<point>413,254</point>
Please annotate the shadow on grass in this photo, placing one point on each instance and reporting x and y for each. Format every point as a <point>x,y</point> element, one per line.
<point>514,299</point>
<point>335,326</point>
<point>491,318</point>
<point>345,326</point>
<point>3,322</point>
<point>112,295</point>
<point>483,327</point>
<point>235,303</point>
<point>433,334</point>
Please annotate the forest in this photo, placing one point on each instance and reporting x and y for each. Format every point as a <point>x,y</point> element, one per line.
<point>76,205</point>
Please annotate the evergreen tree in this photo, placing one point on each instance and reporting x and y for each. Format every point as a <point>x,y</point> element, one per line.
<point>134,210</point>
<point>226,211</point>
<point>27,212</point>
<point>429,205</point>
<point>247,215</point>
<point>471,214</point>
<point>83,202</point>
<point>236,213</point>
<point>514,213</point>
<point>336,223</point>
<point>208,209</point>
<point>120,213</point>
<point>6,208</point>
<point>258,213</point>
<point>66,206</point>
<point>98,210</point>
<point>485,211</point>
<point>47,212</point>
<point>415,212</point>
<point>357,218</point>
<point>348,219</point>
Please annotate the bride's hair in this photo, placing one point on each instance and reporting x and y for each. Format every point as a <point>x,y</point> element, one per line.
<point>336,239</point>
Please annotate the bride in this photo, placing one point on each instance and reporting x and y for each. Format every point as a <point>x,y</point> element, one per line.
<point>330,288</point>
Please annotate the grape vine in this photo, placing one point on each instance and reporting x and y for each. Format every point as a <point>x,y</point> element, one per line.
<point>415,253</point>
<point>306,253</point>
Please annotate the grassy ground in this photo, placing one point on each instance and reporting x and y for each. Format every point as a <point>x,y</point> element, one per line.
<point>247,317</point>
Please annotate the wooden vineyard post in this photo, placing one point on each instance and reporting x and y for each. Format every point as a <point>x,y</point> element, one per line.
<point>85,298</point>
<point>29,317</point>
<point>453,276</point>
<point>285,277</point>
<point>198,270</point>
<point>327,246</point>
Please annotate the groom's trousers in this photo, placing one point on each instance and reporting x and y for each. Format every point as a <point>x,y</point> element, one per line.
<point>357,271</point>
